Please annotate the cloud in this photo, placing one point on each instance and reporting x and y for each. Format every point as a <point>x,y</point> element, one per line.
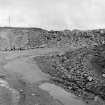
<point>53,14</point>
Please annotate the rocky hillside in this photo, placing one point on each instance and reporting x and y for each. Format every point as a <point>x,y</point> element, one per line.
<point>12,38</point>
<point>81,71</point>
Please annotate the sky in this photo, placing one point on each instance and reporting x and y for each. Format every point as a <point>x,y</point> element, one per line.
<point>53,14</point>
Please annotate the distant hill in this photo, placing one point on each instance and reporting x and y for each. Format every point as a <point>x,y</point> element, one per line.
<point>17,38</point>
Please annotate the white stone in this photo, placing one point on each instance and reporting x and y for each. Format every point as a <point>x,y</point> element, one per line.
<point>103,75</point>
<point>90,78</point>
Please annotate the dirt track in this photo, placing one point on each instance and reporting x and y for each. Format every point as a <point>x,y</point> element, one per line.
<point>21,62</point>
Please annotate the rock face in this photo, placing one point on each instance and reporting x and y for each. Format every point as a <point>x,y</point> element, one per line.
<point>17,38</point>
<point>12,38</point>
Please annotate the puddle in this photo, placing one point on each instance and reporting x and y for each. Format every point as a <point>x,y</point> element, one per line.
<point>29,71</point>
<point>60,94</point>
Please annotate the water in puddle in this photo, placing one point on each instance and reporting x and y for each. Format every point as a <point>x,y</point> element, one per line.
<point>29,71</point>
<point>60,94</point>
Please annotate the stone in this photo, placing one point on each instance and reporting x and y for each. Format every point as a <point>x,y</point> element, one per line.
<point>90,78</point>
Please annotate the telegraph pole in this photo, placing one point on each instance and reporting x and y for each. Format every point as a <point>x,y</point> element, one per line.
<point>9,21</point>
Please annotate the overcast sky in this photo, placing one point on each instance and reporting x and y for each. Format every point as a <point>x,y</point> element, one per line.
<point>53,14</point>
